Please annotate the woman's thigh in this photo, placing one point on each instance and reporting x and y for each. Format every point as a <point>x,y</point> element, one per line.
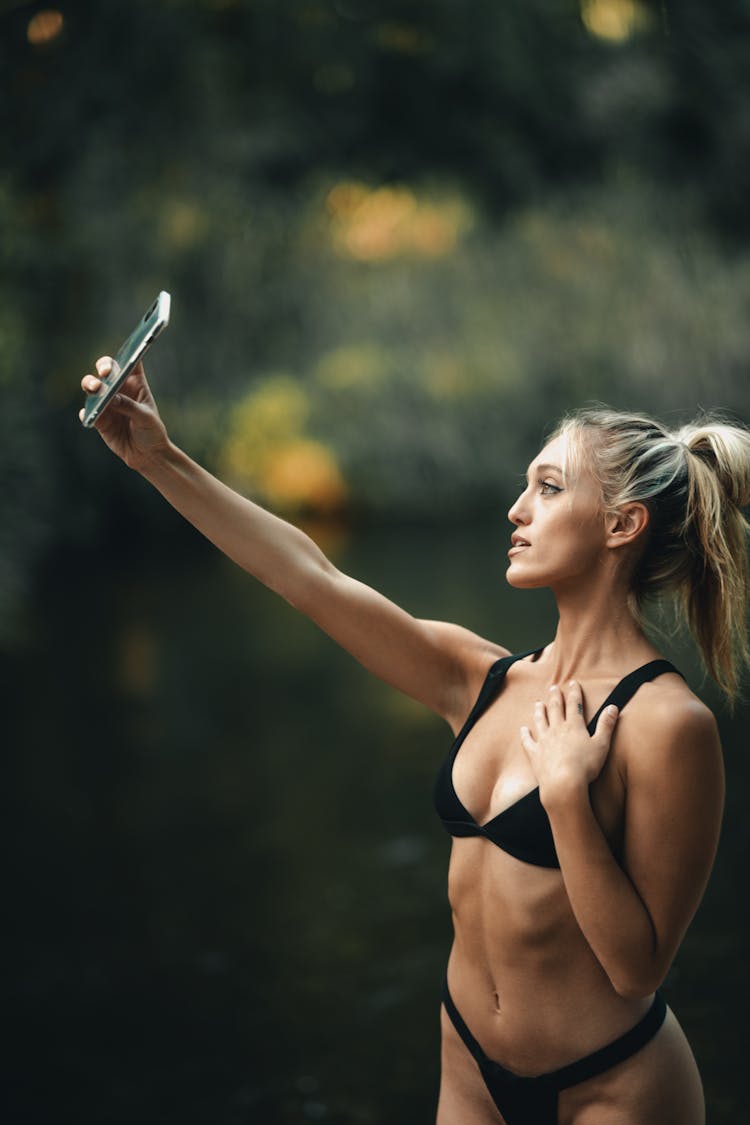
<point>658,1085</point>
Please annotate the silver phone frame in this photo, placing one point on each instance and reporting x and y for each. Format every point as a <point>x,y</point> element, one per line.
<point>153,321</point>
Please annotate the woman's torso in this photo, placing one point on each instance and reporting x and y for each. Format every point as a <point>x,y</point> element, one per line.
<point>521,971</point>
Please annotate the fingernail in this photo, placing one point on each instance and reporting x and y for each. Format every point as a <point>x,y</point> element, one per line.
<point>553,687</point>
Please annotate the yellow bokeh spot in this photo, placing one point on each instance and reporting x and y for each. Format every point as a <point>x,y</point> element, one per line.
<point>343,200</point>
<point>268,452</point>
<point>44,27</point>
<point>377,229</point>
<point>372,225</point>
<point>303,474</point>
<point>274,412</point>
<point>615,20</point>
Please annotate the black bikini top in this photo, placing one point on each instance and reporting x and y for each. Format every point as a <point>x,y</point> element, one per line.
<point>523,829</point>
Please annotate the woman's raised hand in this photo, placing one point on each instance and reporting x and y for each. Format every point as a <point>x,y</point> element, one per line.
<point>130,424</point>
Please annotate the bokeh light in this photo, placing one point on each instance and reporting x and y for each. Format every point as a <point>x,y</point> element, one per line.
<point>269,453</point>
<point>616,20</point>
<point>45,27</point>
<point>376,224</point>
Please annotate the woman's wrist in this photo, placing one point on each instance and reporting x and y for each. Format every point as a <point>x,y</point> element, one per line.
<point>158,461</point>
<point>564,794</point>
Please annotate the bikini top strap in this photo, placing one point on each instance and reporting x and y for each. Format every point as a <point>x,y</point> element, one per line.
<point>628,686</point>
<point>492,681</point>
<point>500,667</point>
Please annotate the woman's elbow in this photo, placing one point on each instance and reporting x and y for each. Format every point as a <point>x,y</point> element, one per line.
<point>634,990</point>
<point>641,983</point>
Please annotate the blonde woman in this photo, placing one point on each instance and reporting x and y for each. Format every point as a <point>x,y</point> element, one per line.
<point>584,790</point>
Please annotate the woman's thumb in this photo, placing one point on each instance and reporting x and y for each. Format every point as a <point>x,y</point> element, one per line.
<point>127,405</point>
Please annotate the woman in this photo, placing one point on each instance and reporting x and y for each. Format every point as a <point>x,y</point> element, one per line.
<point>585,789</point>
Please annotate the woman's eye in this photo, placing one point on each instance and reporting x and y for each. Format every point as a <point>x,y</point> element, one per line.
<point>547,488</point>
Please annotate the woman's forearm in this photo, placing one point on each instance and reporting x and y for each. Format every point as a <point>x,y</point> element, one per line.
<point>275,552</point>
<point>606,905</point>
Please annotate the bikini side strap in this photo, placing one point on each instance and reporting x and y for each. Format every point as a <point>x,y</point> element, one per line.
<point>495,674</point>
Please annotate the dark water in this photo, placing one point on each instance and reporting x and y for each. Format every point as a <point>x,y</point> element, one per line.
<point>227,891</point>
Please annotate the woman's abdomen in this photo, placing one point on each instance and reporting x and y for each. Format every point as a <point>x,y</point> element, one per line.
<point>521,973</point>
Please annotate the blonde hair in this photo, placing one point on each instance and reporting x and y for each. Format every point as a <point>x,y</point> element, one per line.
<point>694,482</point>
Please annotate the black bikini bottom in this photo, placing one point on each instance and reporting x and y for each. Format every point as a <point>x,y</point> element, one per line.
<point>533,1101</point>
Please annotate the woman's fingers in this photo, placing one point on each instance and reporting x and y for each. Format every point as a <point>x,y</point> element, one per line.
<point>527,741</point>
<point>541,722</point>
<point>126,405</point>
<point>606,725</point>
<point>555,706</point>
<point>91,383</point>
<point>574,704</point>
<point>560,705</point>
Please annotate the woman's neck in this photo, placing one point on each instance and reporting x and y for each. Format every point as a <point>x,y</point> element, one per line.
<point>596,636</point>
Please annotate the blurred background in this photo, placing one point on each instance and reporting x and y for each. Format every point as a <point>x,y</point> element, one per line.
<point>401,238</point>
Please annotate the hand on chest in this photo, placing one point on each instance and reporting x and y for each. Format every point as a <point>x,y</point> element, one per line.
<point>493,771</point>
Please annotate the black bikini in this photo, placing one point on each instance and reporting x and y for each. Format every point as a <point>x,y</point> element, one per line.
<point>523,830</point>
<point>533,1101</point>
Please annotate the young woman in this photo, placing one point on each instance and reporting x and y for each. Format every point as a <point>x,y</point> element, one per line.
<point>585,788</point>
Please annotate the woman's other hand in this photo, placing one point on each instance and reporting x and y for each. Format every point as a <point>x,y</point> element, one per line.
<point>130,425</point>
<point>564,756</point>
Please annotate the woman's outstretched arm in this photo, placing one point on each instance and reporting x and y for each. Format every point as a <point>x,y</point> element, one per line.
<point>438,664</point>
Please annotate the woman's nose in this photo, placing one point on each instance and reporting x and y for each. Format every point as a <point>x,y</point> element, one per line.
<point>515,512</point>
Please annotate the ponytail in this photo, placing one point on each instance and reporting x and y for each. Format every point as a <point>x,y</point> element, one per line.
<point>715,602</point>
<point>694,483</point>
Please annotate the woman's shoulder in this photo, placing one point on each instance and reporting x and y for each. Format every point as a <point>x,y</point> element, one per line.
<point>670,704</point>
<point>667,725</point>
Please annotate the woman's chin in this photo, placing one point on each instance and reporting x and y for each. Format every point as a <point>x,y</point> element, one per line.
<point>520,581</point>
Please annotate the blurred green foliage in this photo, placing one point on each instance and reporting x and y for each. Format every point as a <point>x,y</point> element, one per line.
<point>440,223</point>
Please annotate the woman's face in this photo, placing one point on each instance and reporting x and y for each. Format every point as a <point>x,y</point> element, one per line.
<point>559,532</point>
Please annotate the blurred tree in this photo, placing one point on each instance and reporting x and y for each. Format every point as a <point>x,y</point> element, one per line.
<point>189,143</point>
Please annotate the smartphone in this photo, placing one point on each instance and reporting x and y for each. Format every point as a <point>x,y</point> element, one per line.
<point>153,321</point>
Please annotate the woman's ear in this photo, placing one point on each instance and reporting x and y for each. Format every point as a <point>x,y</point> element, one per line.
<point>627,524</point>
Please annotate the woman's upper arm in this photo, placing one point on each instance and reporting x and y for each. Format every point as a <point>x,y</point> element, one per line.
<point>439,664</point>
<point>674,804</point>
